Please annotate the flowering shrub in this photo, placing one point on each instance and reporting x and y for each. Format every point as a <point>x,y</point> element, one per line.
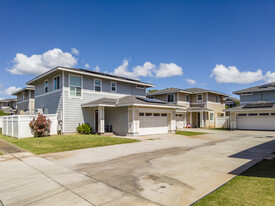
<point>40,126</point>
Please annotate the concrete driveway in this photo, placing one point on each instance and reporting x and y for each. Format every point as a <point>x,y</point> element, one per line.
<point>160,170</point>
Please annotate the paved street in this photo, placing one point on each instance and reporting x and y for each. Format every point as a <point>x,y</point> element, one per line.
<point>161,170</point>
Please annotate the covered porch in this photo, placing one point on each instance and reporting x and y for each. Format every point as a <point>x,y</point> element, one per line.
<point>199,117</point>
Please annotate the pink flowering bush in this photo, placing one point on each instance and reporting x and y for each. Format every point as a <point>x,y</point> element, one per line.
<point>40,126</point>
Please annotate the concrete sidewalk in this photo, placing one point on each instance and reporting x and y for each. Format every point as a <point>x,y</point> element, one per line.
<point>171,170</point>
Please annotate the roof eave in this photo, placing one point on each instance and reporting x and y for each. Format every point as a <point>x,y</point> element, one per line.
<point>31,82</point>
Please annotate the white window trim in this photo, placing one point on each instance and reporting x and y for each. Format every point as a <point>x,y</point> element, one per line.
<point>115,87</point>
<point>100,85</point>
<point>46,80</point>
<point>59,82</point>
<point>210,116</point>
<point>140,86</point>
<point>77,97</point>
<point>198,98</point>
<point>173,98</point>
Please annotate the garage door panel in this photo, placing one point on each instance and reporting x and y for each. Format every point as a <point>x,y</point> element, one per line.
<point>153,124</point>
<point>256,122</point>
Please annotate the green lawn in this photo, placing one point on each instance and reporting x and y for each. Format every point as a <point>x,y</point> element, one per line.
<point>64,142</point>
<point>187,133</point>
<point>255,186</point>
<point>1,153</point>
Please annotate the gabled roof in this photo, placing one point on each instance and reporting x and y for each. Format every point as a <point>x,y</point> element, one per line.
<point>9,100</point>
<point>247,107</point>
<point>129,101</point>
<point>90,73</point>
<point>232,99</point>
<point>188,91</point>
<point>29,87</point>
<point>262,87</point>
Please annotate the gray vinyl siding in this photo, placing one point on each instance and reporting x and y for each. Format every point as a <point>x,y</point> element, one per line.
<point>122,87</point>
<point>258,96</point>
<point>118,119</point>
<point>75,114</point>
<point>23,105</point>
<point>51,101</point>
<point>39,86</point>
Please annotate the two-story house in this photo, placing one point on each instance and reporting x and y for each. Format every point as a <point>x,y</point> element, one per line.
<point>200,106</point>
<point>8,106</point>
<point>256,110</point>
<point>25,100</point>
<point>107,102</point>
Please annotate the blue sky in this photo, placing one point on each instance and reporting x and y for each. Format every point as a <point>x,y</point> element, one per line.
<point>179,40</point>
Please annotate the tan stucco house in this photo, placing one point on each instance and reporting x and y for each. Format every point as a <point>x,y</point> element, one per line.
<point>201,106</point>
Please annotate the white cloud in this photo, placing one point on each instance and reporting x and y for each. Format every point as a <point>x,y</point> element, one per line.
<point>233,75</point>
<point>168,70</point>
<point>74,51</point>
<point>40,63</point>
<point>270,77</point>
<point>145,70</point>
<point>191,81</point>
<point>10,90</point>
<point>87,66</point>
<point>96,69</point>
<point>148,70</point>
<point>122,70</point>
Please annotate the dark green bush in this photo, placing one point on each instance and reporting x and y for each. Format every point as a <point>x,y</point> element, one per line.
<point>84,129</point>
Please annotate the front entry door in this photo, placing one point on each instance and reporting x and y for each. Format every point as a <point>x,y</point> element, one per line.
<point>199,120</point>
<point>96,120</point>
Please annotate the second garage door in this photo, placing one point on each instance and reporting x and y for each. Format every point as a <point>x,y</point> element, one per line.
<point>153,123</point>
<point>256,121</point>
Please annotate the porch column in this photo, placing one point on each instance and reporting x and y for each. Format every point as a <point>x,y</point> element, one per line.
<point>101,122</point>
<point>202,119</point>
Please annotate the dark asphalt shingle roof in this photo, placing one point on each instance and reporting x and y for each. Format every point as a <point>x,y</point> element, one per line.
<point>188,91</point>
<point>127,100</point>
<point>257,88</point>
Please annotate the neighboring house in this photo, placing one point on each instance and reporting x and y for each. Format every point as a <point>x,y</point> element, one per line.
<point>25,100</point>
<point>106,102</point>
<point>8,106</point>
<point>256,110</point>
<point>231,102</point>
<point>201,106</point>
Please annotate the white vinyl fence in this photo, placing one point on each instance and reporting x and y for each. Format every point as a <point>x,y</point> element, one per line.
<point>1,122</point>
<point>18,125</point>
<point>222,122</point>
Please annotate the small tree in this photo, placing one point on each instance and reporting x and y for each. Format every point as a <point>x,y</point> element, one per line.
<point>40,126</point>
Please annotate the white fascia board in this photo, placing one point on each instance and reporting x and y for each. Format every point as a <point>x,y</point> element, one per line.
<point>98,105</point>
<point>88,74</point>
<point>105,77</point>
<point>150,105</point>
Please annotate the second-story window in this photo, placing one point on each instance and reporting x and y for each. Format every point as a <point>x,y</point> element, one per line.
<point>56,83</point>
<point>113,86</point>
<point>170,97</point>
<point>75,86</point>
<point>98,85</point>
<point>199,97</point>
<point>46,86</point>
<point>217,98</point>
<point>187,98</point>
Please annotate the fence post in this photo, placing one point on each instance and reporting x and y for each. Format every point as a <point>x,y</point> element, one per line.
<point>18,129</point>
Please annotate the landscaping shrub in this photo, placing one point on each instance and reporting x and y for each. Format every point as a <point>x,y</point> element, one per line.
<point>84,129</point>
<point>2,113</point>
<point>40,126</point>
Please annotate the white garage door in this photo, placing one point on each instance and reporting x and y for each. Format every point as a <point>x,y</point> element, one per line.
<point>256,121</point>
<point>153,123</point>
<point>180,119</point>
